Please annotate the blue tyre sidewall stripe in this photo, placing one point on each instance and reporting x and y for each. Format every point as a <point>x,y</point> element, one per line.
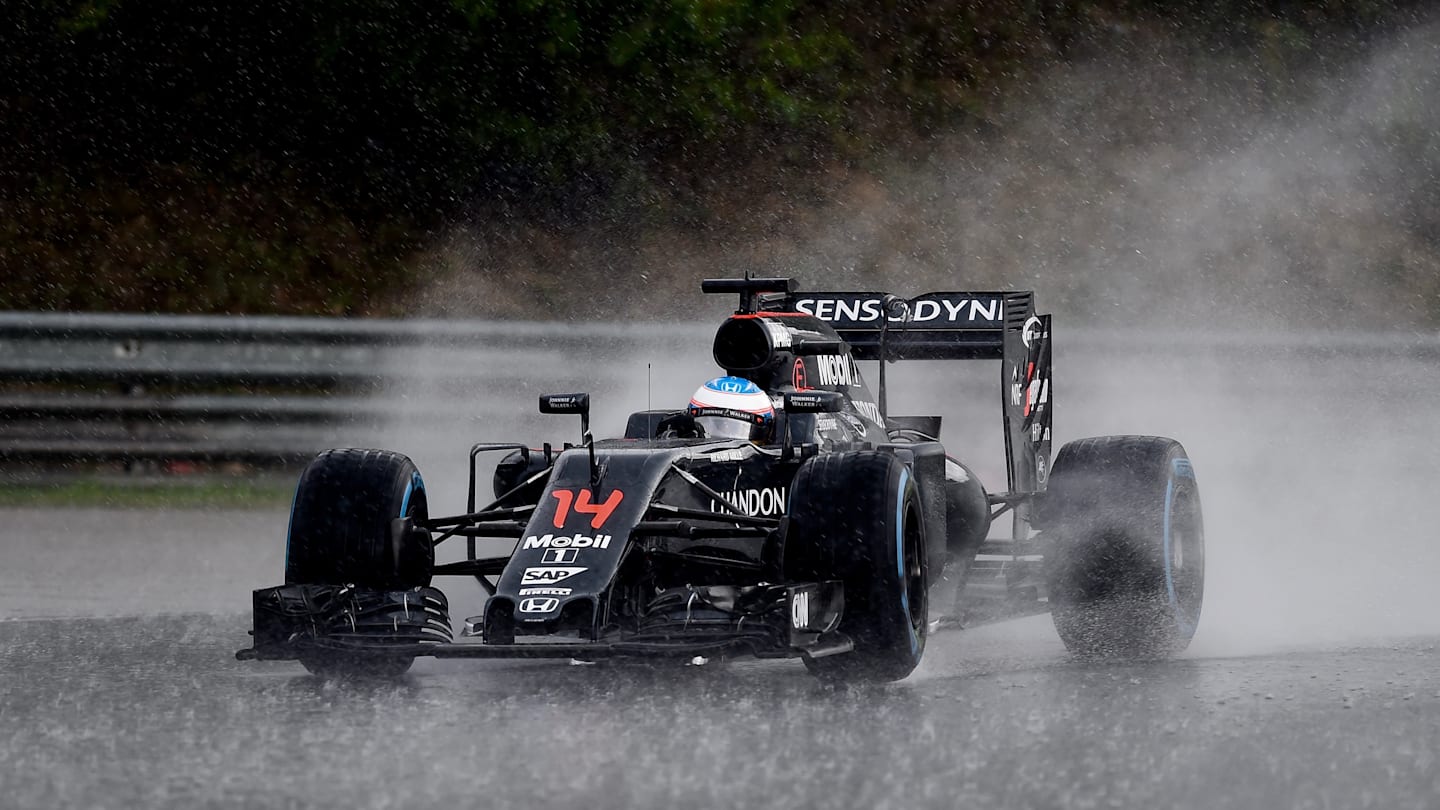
<point>416,483</point>
<point>900,560</point>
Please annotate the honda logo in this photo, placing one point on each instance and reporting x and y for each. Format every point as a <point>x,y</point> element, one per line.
<point>544,605</point>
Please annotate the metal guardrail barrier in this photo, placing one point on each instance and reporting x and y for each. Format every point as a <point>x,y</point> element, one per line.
<point>278,389</point>
<point>283,350</point>
<point>272,389</point>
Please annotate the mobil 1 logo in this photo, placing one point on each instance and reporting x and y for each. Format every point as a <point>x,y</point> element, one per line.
<point>559,556</point>
<point>550,540</point>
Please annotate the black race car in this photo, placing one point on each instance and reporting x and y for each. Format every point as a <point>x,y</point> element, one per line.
<point>833,538</point>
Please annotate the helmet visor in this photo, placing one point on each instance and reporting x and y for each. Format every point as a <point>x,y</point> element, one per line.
<point>725,427</point>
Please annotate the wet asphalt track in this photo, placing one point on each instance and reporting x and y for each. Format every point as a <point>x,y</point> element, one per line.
<point>1314,680</point>
<point>153,711</point>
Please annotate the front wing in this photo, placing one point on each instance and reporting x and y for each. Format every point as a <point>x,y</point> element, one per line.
<point>292,621</point>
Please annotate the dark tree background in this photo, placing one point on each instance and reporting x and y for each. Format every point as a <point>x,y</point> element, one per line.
<point>288,156</point>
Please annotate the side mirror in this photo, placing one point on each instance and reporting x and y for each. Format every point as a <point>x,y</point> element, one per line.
<point>565,403</point>
<point>814,402</point>
<point>569,403</point>
<point>808,402</point>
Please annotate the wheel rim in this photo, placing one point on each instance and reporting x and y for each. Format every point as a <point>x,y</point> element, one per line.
<point>1185,561</point>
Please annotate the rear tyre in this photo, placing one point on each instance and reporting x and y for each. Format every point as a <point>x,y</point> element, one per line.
<point>1126,567</point>
<point>340,534</point>
<point>856,517</point>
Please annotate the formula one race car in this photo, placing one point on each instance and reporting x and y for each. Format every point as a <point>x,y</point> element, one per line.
<point>784,513</point>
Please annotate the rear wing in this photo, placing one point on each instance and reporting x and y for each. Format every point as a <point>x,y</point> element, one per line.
<point>956,326</point>
<point>934,326</point>
<point>938,326</point>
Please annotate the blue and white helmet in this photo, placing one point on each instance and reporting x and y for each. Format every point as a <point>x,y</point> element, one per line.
<point>734,408</point>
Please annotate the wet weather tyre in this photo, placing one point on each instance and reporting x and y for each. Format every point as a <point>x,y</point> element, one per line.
<point>857,517</point>
<point>340,534</point>
<point>1126,567</point>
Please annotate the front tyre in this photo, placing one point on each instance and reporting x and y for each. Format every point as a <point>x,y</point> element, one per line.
<point>857,517</point>
<point>340,534</point>
<point>1126,567</point>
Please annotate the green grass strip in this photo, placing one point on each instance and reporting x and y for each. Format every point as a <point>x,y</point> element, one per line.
<point>110,493</point>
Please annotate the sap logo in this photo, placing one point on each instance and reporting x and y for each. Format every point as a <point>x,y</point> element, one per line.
<point>766,501</point>
<point>538,605</point>
<point>837,369</point>
<point>567,541</point>
<point>544,591</point>
<point>925,310</point>
<point>559,556</point>
<point>800,610</point>
<point>869,410</point>
<point>547,576</point>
